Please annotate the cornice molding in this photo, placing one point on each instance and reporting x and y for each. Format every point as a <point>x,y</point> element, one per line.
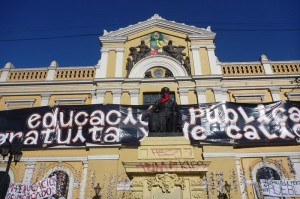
<point>48,92</point>
<point>108,39</point>
<point>208,46</point>
<point>157,21</point>
<point>45,82</point>
<point>103,157</point>
<point>249,155</point>
<point>195,37</point>
<point>70,158</point>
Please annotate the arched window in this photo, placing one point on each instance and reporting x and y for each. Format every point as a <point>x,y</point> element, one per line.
<point>264,170</point>
<point>267,173</point>
<point>158,72</point>
<point>62,186</point>
<point>65,179</point>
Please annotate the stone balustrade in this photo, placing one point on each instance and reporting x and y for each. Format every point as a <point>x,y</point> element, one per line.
<point>22,75</point>
<point>242,69</point>
<point>80,73</point>
<point>89,72</point>
<point>285,68</point>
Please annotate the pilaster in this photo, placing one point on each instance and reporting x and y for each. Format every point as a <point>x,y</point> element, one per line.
<point>196,59</point>
<point>102,68</point>
<point>220,95</point>
<point>119,62</point>
<point>215,70</point>
<point>84,179</point>
<point>275,94</point>
<point>201,95</point>
<point>98,97</point>
<point>134,96</point>
<point>243,184</point>
<point>117,96</point>
<point>45,99</point>
<point>183,94</point>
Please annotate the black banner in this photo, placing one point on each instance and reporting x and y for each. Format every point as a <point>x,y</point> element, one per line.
<point>99,124</point>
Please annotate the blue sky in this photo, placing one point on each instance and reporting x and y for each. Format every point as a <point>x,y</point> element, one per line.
<point>33,33</point>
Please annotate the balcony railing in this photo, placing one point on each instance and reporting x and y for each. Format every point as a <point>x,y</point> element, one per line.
<point>67,74</point>
<point>243,69</point>
<point>27,75</point>
<point>282,68</point>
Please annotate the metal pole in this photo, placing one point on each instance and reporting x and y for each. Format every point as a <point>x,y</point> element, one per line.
<point>4,188</point>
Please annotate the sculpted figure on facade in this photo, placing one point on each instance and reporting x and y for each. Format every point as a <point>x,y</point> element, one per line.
<point>129,66</point>
<point>187,65</point>
<point>174,51</point>
<point>144,50</point>
<point>164,115</point>
<point>134,54</point>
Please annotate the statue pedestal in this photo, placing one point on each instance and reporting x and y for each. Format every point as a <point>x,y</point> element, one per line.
<point>156,148</point>
<point>166,168</point>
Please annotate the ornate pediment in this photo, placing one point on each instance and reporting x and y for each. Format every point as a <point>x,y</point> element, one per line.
<point>192,32</point>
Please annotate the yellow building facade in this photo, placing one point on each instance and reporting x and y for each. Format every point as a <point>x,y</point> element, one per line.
<point>155,167</point>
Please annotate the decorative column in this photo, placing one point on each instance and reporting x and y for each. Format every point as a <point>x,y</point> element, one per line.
<point>84,179</point>
<point>196,57</point>
<point>102,67</point>
<point>275,94</point>
<point>98,96</point>
<point>51,70</point>
<point>119,62</point>
<point>183,94</point>
<point>5,71</point>
<point>29,170</point>
<point>215,70</point>
<point>242,178</point>
<point>220,95</point>
<point>45,99</point>
<point>116,96</point>
<point>134,96</point>
<point>266,64</point>
<point>201,95</point>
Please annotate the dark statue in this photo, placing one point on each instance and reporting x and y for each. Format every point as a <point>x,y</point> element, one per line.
<point>144,50</point>
<point>129,66</point>
<point>169,50</point>
<point>187,65</point>
<point>133,54</point>
<point>164,115</point>
<point>174,51</point>
<point>142,53</point>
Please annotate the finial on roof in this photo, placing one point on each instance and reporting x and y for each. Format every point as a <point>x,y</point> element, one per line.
<point>54,64</point>
<point>9,65</point>
<point>105,32</point>
<point>156,16</point>
<point>263,57</point>
<point>208,28</point>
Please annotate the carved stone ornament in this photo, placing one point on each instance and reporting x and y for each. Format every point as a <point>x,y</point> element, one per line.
<point>157,46</point>
<point>137,195</point>
<point>166,182</point>
<point>137,183</point>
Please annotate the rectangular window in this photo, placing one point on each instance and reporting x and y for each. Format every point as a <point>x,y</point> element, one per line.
<point>150,97</point>
<point>11,104</point>
<point>69,101</point>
